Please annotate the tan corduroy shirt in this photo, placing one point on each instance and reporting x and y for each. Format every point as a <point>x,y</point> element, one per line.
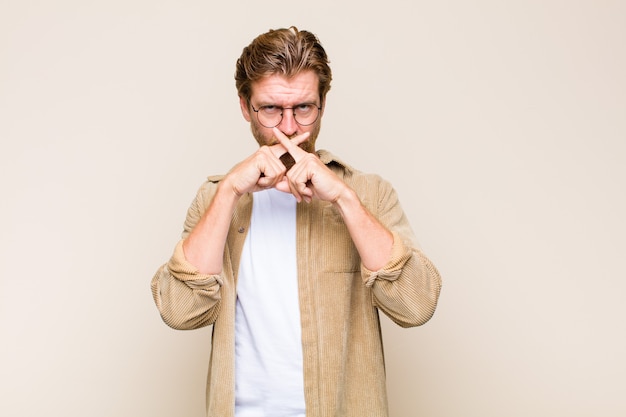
<point>344,373</point>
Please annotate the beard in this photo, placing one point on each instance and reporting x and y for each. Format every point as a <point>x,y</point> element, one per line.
<point>286,159</point>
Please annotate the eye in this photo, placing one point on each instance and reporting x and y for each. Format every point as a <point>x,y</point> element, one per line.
<point>271,109</point>
<point>304,108</point>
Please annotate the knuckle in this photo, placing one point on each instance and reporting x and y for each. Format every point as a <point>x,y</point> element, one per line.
<point>310,157</point>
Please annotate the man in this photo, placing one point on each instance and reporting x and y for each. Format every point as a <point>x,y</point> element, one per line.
<point>291,255</point>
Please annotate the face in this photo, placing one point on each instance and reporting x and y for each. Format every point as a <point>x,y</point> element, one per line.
<point>280,91</point>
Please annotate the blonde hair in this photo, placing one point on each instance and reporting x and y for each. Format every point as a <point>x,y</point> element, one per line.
<point>282,51</point>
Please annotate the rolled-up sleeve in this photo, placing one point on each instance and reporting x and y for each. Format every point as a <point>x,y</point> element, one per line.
<point>185,298</point>
<point>407,288</point>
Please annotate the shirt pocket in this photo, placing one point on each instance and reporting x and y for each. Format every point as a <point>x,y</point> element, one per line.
<point>338,251</point>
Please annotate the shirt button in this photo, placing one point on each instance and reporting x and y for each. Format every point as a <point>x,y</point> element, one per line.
<point>241,230</point>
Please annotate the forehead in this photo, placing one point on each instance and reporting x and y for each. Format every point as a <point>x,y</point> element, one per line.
<point>284,91</point>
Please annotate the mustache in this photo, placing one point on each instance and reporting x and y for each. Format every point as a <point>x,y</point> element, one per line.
<point>274,140</point>
<point>304,145</point>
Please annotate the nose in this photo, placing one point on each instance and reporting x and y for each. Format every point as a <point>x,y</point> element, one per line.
<point>288,125</point>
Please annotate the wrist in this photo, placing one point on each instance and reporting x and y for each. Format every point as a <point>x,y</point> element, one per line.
<point>225,197</point>
<point>346,200</point>
<point>227,189</point>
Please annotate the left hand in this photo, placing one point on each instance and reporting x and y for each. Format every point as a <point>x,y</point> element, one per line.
<point>309,177</point>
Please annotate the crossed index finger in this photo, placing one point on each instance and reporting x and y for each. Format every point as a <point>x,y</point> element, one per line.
<point>292,145</point>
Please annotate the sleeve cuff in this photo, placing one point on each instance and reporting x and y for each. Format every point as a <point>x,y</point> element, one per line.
<point>184,271</point>
<point>400,254</point>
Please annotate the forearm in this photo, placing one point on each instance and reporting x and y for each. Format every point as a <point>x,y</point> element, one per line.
<point>372,240</point>
<point>404,283</point>
<point>204,246</point>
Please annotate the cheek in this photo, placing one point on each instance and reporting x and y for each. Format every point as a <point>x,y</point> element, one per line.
<point>262,135</point>
<point>309,145</point>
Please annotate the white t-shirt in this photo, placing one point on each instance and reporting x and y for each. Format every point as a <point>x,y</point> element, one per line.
<point>268,343</point>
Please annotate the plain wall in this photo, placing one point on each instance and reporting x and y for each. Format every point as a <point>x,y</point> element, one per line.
<point>502,125</point>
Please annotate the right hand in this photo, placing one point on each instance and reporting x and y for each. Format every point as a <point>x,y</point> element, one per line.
<point>261,170</point>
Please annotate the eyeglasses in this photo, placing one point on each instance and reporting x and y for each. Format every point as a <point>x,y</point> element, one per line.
<point>304,114</point>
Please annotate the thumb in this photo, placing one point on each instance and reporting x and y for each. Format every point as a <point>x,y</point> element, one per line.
<point>283,185</point>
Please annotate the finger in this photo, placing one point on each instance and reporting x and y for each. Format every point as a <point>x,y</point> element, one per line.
<point>286,187</point>
<point>296,182</point>
<point>270,168</point>
<point>301,185</point>
<point>283,185</point>
<point>279,149</point>
<point>291,146</point>
<point>289,185</point>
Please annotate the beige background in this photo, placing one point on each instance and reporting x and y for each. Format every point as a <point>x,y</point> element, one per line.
<point>501,123</point>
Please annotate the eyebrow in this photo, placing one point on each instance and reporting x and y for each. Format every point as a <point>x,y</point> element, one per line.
<point>265,104</point>
<point>305,99</point>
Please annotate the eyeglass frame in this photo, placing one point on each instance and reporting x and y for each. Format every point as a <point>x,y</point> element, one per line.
<point>319,110</point>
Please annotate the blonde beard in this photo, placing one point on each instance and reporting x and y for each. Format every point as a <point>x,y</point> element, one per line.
<point>286,159</point>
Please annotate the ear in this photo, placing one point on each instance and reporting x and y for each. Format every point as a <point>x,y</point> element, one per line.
<point>245,110</point>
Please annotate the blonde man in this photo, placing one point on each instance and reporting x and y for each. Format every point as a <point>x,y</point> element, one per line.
<point>291,255</point>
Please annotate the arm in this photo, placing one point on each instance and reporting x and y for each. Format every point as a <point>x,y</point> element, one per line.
<point>404,283</point>
<point>186,298</point>
<point>204,247</point>
<point>186,290</point>
<point>310,177</point>
<point>407,288</point>
<point>372,240</point>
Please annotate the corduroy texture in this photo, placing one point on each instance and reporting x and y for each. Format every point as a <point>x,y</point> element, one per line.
<point>344,374</point>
